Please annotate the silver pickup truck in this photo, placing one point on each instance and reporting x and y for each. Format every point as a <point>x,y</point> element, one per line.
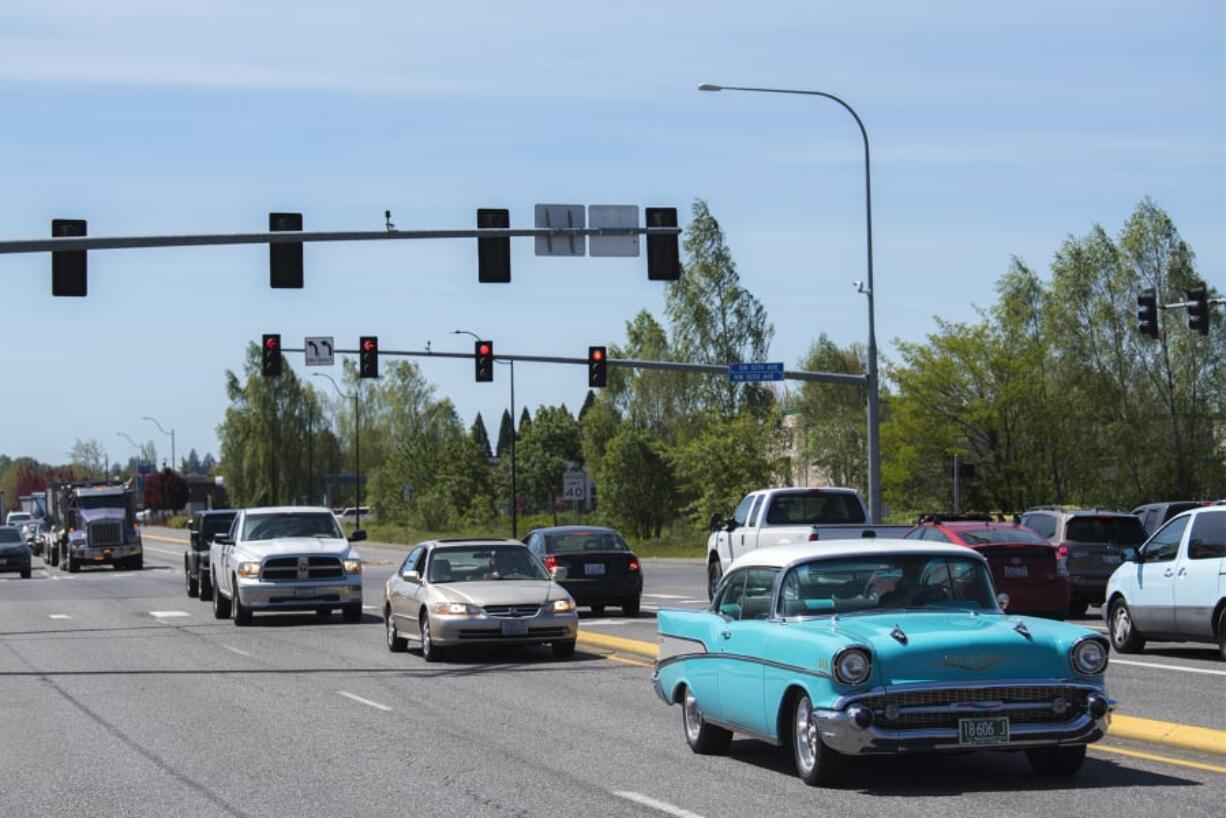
<point>289,558</point>
<point>782,516</point>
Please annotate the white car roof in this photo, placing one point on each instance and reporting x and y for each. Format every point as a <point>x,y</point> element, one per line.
<point>780,556</point>
<point>289,510</point>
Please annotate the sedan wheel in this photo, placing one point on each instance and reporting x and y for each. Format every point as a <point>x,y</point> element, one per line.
<point>429,651</point>
<point>816,764</point>
<point>703,738</point>
<point>394,642</point>
<point>1124,635</point>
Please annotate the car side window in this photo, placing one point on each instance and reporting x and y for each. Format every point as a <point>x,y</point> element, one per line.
<point>741,515</point>
<point>1208,538</point>
<point>413,561</point>
<point>753,512</point>
<point>759,589</point>
<point>1163,546</point>
<point>1042,524</point>
<point>233,533</point>
<point>731,600</point>
<point>914,534</point>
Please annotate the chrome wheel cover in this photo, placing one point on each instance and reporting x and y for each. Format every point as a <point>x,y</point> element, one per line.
<point>693,716</point>
<point>1121,625</point>
<point>426,645</point>
<point>391,630</point>
<point>805,735</point>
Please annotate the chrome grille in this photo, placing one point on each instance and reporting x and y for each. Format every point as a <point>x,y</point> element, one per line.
<point>511,611</point>
<point>105,533</point>
<point>920,709</point>
<point>295,568</point>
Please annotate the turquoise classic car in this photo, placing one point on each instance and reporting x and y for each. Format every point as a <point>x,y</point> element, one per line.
<point>839,649</point>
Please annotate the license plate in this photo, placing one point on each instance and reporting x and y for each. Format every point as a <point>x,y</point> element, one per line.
<point>1112,559</point>
<point>515,628</point>
<point>304,593</point>
<point>594,569</point>
<point>1017,571</point>
<point>983,732</point>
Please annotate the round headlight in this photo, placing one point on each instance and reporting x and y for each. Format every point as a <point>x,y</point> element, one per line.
<point>852,666</point>
<point>1089,657</point>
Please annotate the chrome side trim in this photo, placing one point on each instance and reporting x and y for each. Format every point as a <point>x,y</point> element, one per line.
<point>738,657</point>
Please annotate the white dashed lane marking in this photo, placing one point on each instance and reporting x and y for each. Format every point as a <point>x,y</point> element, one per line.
<point>1157,666</point>
<point>236,650</point>
<point>59,616</point>
<point>168,614</point>
<point>366,702</point>
<point>661,806</point>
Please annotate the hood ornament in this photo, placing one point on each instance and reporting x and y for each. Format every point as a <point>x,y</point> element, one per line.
<point>898,635</point>
<point>1021,628</point>
<point>979,661</point>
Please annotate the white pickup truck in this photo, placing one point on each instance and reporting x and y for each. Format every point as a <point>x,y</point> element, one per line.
<point>788,515</point>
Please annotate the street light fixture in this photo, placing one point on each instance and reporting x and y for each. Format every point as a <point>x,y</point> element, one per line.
<point>173,462</point>
<point>514,434</point>
<point>357,444</point>
<point>874,420</point>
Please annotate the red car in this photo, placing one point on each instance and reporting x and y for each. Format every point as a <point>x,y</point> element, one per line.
<point>1024,565</point>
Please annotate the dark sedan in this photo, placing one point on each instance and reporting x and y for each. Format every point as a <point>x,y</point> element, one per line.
<point>14,553</point>
<point>600,568</point>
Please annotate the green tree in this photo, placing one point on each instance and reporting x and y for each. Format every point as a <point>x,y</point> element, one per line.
<point>481,437</point>
<point>505,430</point>
<point>832,418</point>
<point>637,484</point>
<point>545,448</point>
<point>596,428</point>
<point>90,456</point>
<point>726,461</point>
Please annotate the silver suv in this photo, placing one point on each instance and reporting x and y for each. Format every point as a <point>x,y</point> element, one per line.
<point>1091,543</point>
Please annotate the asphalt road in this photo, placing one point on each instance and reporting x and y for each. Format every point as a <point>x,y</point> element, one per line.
<point>122,696</point>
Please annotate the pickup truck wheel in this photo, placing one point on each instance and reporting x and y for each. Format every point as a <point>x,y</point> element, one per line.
<point>429,651</point>
<point>816,764</point>
<point>395,643</point>
<point>715,573</point>
<point>193,584</point>
<point>352,613</point>
<point>1057,760</point>
<point>703,738</point>
<point>242,614</point>
<point>221,605</point>
<point>1124,635</point>
<point>1221,635</point>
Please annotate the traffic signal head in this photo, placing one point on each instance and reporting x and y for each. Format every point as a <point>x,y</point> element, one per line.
<point>483,360</point>
<point>285,258</point>
<point>1198,309</point>
<point>493,254</point>
<point>68,266</point>
<point>597,367</point>
<point>368,356</point>
<point>1147,313</point>
<point>663,257</point>
<point>270,356</point>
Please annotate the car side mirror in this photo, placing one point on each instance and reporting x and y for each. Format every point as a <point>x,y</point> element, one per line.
<point>730,610</point>
<point>716,522</point>
<point>358,536</point>
<point>410,576</point>
<point>223,539</point>
<point>730,524</point>
<point>1137,556</point>
<point>559,573</point>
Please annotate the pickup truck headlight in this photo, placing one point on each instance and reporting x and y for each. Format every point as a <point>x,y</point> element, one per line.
<point>852,666</point>
<point>562,606</point>
<point>455,609</point>
<point>248,569</point>
<point>1089,656</point>
<point>353,566</point>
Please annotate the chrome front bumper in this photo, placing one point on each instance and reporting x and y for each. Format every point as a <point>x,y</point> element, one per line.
<point>300,596</point>
<point>539,629</point>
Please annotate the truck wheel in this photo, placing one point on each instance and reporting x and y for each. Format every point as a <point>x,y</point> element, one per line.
<point>1053,761</point>
<point>221,605</point>
<point>136,563</point>
<point>193,584</point>
<point>703,738</point>
<point>242,614</point>
<point>715,573</point>
<point>73,564</point>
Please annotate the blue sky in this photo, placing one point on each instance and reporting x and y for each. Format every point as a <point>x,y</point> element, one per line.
<point>998,128</point>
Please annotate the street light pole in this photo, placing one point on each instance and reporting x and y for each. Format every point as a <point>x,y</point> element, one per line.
<point>357,444</point>
<point>514,434</point>
<point>874,419</point>
<point>173,462</point>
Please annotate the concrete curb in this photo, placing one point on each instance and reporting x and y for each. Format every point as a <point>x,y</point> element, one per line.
<point>647,650</point>
<point>1170,734</point>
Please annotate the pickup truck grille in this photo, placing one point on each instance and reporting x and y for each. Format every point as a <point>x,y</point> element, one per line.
<point>297,568</point>
<point>511,611</point>
<point>108,532</point>
<point>943,708</point>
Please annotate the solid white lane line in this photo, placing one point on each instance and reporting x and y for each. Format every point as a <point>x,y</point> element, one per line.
<point>666,596</point>
<point>1156,666</point>
<point>662,806</point>
<point>59,616</point>
<point>236,650</point>
<point>366,702</point>
<point>168,614</point>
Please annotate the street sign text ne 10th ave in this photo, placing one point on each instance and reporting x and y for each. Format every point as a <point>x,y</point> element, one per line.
<point>744,373</point>
<point>319,350</point>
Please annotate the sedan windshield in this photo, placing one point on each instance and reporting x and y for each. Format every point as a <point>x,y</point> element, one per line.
<point>291,524</point>
<point>484,563</point>
<point>1001,535</point>
<point>887,582</point>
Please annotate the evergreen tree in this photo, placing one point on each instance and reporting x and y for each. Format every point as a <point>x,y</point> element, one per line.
<point>505,430</point>
<point>481,437</point>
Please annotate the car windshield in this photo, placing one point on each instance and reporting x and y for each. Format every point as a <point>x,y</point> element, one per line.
<point>291,524</point>
<point>1001,535</point>
<point>814,508</point>
<point>1121,530</point>
<point>9,535</point>
<point>102,501</point>
<point>215,524</point>
<point>484,563</point>
<point>573,542</point>
<point>822,587</point>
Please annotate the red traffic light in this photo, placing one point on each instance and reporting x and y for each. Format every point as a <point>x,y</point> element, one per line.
<point>272,343</point>
<point>484,349</point>
<point>368,345</point>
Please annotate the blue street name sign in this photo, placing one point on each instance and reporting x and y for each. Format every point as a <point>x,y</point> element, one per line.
<point>743,373</point>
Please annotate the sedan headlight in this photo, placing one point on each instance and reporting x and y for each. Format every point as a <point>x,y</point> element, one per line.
<point>1089,656</point>
<point>353,566</point>
<point>248,569</point>
<point>562,606</point>
<point>455,609</point>
<point>852,666</point>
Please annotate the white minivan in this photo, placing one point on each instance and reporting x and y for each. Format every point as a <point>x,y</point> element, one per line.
<point>1174,588</point>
